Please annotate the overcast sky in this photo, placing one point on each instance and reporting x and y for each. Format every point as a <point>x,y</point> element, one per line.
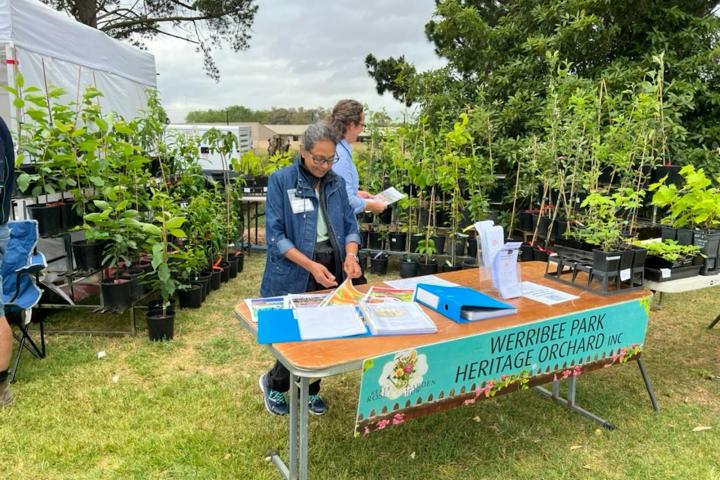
<point>302,53</point>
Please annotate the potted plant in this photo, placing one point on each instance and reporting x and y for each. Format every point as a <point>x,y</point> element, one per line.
<point>167,221</point>
<point>428,265</point>
<point>408,266</point>
<point>379,263</point>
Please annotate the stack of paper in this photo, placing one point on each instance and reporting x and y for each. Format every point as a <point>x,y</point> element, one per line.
<point>397,318</point>
<point>335,321</point>
<point>345,294</point>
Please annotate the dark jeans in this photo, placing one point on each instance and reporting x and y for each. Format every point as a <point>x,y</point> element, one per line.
<point>279,376</point>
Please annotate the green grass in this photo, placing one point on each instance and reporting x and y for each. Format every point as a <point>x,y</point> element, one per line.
<point>191,408</point>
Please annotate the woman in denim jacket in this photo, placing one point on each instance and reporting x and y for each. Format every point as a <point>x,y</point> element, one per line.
<point>312,239</point>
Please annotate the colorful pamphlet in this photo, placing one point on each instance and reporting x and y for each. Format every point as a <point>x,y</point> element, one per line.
<point>269,303</point>
<point>345,294</point>
<point>384,294</point>
<point>306,300</point>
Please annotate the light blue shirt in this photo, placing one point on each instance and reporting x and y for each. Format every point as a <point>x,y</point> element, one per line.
<point>346,169</point>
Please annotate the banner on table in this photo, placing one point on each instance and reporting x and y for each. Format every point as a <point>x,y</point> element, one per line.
<point>420,381</point>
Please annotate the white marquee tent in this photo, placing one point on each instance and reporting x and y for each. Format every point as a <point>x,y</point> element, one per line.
<point>49,48</point>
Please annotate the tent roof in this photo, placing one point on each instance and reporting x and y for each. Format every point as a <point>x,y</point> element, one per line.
<point>35,27</point>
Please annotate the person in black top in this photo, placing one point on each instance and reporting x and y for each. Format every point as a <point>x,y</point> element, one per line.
<point>7,184</point>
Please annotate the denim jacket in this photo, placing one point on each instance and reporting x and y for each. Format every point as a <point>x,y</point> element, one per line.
<point>285,229</point>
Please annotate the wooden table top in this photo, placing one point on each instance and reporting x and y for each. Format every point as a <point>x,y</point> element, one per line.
<point>326,354</point>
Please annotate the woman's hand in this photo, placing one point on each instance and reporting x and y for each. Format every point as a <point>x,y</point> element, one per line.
<point>322,275</point>
<point>351,266</point>
<point>375,206</point>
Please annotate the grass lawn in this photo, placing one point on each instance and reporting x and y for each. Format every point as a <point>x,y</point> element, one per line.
<point>191,408</point>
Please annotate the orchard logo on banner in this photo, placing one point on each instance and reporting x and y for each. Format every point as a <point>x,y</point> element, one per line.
<point>403,374</point>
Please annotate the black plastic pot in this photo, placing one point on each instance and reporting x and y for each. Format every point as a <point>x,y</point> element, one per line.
<point>543,225</point>
<point>379,265</point>
<point>442,217</point>
<point>386,216</point>
<point>233,261</point>
<point>375,241</point>
<point>49,218</point>
<point>116,294</point>
<point>88,255</point>
<point>241,261</point>
<point>160,327</point>
<point>685,236</point>
<point>397,241</point>
<point>471,243</point>
<point>204,284</point>
<point>668,233</point>
<point>427,268</point>
<point>525,221</point>
<point>154,307</point>
<point>215,280</point>
<point>408,268</point>
<point>137,289</point>
<point>191,297</point>
<point>606,261</point>
<point>526,253</point>
<point>225,272</point>
<point>70,218</point>
<point>710,243</point>
<point>559,229</point>
<point>415,240</point>
<point>439,243</point>
<point>540,255</point>
<point>460,241</point>
<point>362,260</point>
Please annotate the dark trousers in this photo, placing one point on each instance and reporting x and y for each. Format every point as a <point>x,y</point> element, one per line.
<point>279,376</point>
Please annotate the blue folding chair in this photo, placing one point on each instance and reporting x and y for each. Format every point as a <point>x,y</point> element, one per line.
<point>20,267</point>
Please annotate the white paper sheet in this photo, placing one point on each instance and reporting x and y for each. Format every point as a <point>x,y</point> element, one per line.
<point>411,283</point>
<point>391,195</point>
<point>328,322</point>
<point>546,295</point>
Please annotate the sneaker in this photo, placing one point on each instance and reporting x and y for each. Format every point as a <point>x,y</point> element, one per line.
<point>6,396</point>
<point>275,402</point>
<point>316,405</point>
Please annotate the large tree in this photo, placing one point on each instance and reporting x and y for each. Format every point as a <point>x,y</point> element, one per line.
<point>204,23</point>
<point>498,49</point>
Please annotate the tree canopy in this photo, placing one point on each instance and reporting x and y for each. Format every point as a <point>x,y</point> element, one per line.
<point>207,24</point>
<point>239,113</point>
<point>497,52</point>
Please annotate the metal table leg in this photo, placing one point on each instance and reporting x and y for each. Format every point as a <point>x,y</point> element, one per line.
<point>570,401</point>
<point>298,432</point>
<point>714,322</point>
<point>648,385</point>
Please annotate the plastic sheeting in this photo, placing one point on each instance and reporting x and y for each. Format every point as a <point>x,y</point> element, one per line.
<point>51,48</point>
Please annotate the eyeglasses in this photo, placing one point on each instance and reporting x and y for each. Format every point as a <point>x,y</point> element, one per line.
<point>318,160</point>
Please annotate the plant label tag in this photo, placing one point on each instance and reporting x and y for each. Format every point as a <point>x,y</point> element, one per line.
<point>246,190</point>
<point>299,204</point>
<point>665,272</point>
<point>625,275</point>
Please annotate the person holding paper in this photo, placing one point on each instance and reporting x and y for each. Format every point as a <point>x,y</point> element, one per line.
<point>312,238</point>
<point>348,118</point>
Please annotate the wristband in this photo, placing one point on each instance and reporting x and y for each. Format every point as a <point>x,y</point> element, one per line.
<point>354,255</point>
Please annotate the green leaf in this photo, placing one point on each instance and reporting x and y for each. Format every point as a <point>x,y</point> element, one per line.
<point>178,233</point>
<point>175,222</point>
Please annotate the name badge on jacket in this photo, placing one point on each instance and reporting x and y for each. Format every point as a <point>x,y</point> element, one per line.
<point>299,204</point>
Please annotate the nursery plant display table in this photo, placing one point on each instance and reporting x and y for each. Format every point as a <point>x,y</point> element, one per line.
<point>620,321</point>
<point>685,285</point>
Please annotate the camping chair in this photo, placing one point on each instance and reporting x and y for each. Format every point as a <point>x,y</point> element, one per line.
<point>20,266</point>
